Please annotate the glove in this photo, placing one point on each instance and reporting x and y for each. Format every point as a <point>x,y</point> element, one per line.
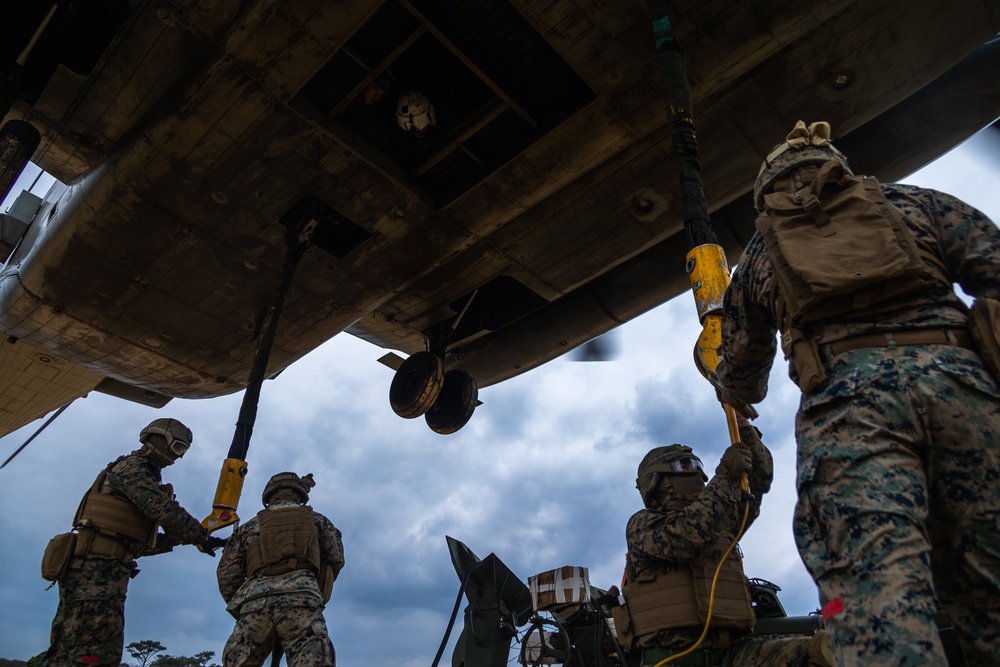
<point>211,544</point>
<point>736,462</point>
<point>742,409</point>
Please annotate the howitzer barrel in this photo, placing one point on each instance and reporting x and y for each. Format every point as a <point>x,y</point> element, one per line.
<point>789,625</point>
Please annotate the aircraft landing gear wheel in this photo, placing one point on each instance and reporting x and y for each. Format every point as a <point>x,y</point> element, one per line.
<point>454,407</point>
<point>416,385</point>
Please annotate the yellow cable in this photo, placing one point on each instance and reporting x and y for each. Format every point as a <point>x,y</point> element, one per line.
<point>708,272</point>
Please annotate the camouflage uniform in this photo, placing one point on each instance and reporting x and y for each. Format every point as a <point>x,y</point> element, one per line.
<point>660,539</point>
<point>898,460</point>
<point>89,624</point>
<point>283,609</point>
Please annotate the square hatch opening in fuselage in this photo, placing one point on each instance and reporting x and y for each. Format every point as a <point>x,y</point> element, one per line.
<point>447,91</point>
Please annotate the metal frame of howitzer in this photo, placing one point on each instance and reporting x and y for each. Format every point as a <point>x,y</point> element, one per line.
<point>499,604</point>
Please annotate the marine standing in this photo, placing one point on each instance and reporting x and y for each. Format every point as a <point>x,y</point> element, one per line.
<point>898,428</point>
<point>116,523</point>
<point>276,575</point>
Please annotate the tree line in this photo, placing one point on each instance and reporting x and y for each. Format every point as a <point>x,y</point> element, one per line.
<point>146,653</point>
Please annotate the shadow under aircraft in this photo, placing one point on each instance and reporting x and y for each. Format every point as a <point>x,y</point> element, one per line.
<point>477,187</point>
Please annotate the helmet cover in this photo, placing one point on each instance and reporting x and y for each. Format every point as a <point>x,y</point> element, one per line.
<point>803,146</point>
<point>288,480</point>
<point>671,460</point>
<point>176,441</point>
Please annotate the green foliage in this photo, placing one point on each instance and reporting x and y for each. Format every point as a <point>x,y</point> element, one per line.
<point>36,661</point>
<point>144,650</point>
<point>199,660</point>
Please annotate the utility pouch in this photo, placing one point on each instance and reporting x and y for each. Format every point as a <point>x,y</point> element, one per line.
<point>84,542</point>
<point>57,555</point>
<point>984,324</point>
<point>624,628</point>
<point>837,246</point>
<point>861,241</point>
<point>803,354</point>
<point>326,581</point>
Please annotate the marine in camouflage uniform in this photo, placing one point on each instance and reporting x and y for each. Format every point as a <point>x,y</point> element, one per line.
<point>898,461</point>
<point>684,523</point>
<point>278,600</point>
<point>89,624</point>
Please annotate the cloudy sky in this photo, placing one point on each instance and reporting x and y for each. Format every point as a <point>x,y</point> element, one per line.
<point>543,476</point>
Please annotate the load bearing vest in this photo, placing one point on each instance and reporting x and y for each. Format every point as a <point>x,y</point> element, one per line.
<point>287,541</point>
<point>680,599</point>
<point>104,519</point>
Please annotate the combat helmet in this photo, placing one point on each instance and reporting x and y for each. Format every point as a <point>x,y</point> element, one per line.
<point>288,480</point>
<point>415,113</point>
<point>803,146</point>
<point>175,441</point>
<point>670,460</point>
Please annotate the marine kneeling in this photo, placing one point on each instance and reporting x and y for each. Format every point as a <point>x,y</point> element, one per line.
<point>675,547</point>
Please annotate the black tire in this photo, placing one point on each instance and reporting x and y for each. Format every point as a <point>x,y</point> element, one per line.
<point>416,385</point>
<point>456,403</point>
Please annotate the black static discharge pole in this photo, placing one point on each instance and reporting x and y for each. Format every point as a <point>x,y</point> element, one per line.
<point>234,468</point>
<point>268,329</point>
<point>697,223</point>
<point>706,263</point>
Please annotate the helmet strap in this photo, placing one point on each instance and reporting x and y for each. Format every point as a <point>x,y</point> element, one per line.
<point>156,456</point>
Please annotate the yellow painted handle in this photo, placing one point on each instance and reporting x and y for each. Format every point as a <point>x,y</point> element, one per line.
<point>227,495</point>
<point>734,438</point>
<point>708,272</point>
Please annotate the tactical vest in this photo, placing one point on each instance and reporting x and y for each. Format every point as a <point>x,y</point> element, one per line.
<point>287,541</point>
<point>679,599</point>
<point>837,247</point>
<point>103,519</point>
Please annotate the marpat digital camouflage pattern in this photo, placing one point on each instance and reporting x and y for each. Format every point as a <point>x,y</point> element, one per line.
<point>283,609</point>
<point>89,624</point>
<point>659,540</point>
<point>898,461</point>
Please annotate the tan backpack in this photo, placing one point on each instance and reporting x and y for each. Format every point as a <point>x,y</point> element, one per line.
<point>838,246</point>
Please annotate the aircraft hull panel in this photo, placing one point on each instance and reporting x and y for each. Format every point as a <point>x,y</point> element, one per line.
<point>205,125</point>
<point>33,383</point>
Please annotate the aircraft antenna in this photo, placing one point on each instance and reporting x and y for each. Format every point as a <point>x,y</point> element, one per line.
<point>35,434</point>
